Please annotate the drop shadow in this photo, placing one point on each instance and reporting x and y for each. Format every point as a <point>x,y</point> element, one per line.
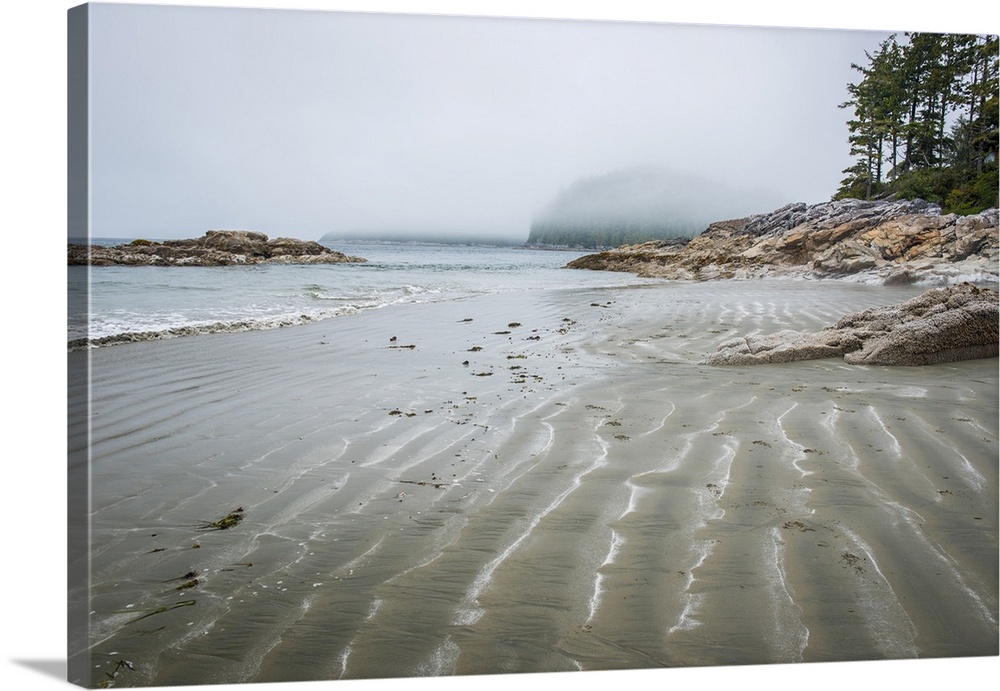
<point>50,668</point>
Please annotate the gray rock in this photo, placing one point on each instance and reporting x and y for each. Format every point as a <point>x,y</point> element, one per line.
<point>215,248</point>
<point>870,240</point>
<point>941,325</point>
<point>782,346</point>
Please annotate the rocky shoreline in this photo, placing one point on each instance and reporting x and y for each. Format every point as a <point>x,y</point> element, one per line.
<point>215,248</point>
<point>891,242</point>
<point>941,325</point>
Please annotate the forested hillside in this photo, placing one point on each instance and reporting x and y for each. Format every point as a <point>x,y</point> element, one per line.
<point>925,122</point>
<point>634,205</point>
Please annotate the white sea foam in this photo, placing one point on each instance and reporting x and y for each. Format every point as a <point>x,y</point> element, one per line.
<point>617,540</point>
<point>788,635</point>
<point>442,661</point>
<point>974,479</point>
<point>129,303</point>
<point>663,421</point>
<point>797,448</point>
<point>692,601</point>
<point>897,450</point>
<point>469,612</point>
<point>891,629</point>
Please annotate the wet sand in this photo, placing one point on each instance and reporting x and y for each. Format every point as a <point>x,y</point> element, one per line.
<point>537,483</point>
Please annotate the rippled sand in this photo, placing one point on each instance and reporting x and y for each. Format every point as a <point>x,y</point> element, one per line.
<point>543,482</point>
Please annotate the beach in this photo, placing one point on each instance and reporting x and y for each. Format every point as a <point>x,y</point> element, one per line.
<point>541,481</point>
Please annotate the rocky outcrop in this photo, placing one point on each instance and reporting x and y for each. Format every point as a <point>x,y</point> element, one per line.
<point>884,241</point>
<point>215,248</point>
<point>942,325</point>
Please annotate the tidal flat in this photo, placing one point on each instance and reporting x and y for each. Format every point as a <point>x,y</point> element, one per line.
<point>540,482</point>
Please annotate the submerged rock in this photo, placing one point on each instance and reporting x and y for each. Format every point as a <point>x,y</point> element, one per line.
<point>942,325</point>
<point>892,241</point>
<point>215,248</point>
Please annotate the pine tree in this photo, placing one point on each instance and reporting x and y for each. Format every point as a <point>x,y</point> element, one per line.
<point>932,101</point>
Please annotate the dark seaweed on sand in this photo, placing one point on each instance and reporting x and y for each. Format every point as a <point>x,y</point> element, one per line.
<point>230,520</point>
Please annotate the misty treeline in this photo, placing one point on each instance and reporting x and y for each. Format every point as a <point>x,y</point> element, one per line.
<point>925,122</point>
<point>598,233</point>
<point>630,206</point>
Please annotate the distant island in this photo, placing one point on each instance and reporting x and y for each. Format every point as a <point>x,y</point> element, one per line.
<point>215,248</point>
<point>634,205</point>
<point>428,238</point>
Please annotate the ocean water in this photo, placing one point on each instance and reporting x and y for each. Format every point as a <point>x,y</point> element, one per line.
<point>129,303</point>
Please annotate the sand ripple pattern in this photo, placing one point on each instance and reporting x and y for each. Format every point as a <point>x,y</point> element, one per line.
<point>546,482</point>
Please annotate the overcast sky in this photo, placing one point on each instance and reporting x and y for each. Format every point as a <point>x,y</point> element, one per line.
<point>300,123</point>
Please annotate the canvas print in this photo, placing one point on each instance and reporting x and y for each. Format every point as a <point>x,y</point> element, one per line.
<point>419,346</point>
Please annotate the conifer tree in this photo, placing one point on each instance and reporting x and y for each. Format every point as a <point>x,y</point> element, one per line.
<point>932,102</point>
